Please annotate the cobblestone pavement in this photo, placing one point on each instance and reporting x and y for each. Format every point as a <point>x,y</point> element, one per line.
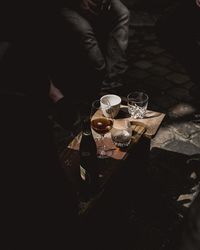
<point>156,71</point>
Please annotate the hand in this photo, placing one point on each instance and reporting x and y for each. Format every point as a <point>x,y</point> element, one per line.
<point>54,93</point>
<point>198,2</point>
<point>89,6</point>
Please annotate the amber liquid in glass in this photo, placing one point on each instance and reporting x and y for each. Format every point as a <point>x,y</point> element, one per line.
<point>102,125</point>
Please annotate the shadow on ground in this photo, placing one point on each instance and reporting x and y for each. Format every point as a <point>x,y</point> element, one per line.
<point>161,200</point>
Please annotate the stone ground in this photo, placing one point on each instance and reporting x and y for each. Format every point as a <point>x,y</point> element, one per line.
<point>176,147</point>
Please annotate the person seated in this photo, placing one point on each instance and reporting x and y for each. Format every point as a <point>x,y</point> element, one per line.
<point>90,48</point>
<point>178,30</point>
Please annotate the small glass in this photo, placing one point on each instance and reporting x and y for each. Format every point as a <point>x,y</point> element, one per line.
<point>137,104</point>
<point>121,133</point>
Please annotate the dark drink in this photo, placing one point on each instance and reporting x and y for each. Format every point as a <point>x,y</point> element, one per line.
<point>102,125</point>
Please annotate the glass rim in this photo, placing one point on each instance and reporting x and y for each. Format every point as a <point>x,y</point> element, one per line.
<point>134,99</point>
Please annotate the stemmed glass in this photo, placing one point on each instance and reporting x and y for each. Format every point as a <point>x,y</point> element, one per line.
<point>101,124</point>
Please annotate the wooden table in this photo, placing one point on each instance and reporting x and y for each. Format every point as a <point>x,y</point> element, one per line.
<point>109,168</point>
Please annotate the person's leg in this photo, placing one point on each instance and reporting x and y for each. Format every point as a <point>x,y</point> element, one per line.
<point>178,31</point>
<point>117,22</point>
<point>78,61</point>
<point>82,32</point>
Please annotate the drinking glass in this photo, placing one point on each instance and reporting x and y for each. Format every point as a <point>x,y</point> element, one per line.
<point>101,125</point>
<point>137,104</point>
<point>121,133</point>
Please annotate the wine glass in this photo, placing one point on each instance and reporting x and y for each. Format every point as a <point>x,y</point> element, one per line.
<point>101,124</point>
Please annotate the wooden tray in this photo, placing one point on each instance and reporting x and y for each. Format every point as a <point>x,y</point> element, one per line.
<point>151,121</point>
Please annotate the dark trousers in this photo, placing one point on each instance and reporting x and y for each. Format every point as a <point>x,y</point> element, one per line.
<point>178,30</point>
<point>91,47</point>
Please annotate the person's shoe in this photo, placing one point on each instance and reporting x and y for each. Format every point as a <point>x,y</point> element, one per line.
<point>111,84</point>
